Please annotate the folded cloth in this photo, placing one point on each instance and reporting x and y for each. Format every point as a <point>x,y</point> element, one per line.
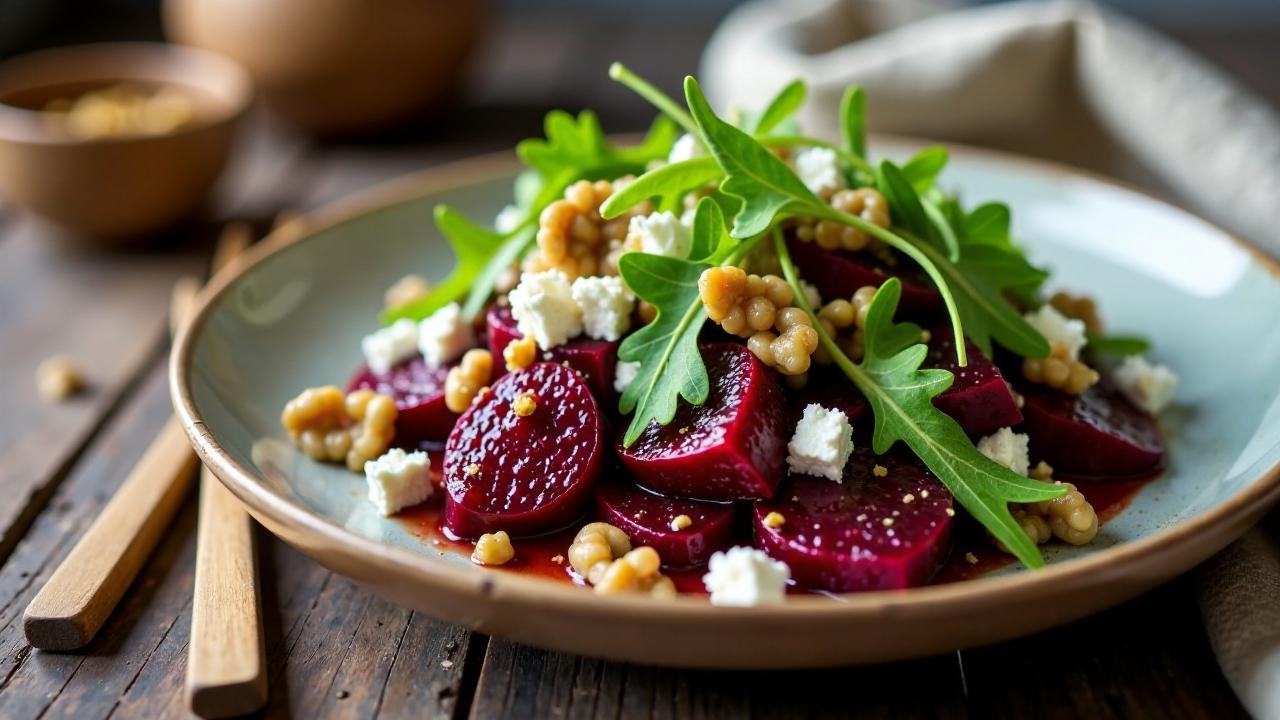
<point>1240,600</point>
<point>1069,81</point>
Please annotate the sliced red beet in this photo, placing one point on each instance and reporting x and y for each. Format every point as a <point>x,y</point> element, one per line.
<point>646,518</point>
<point>525,475</point>
<point>595,359</point>
<point>732,447</point>
<point>838,274</point>
<point>1097,435</point>
<point>979,398</point>
<point>863,533</point>
<point>419,394</point>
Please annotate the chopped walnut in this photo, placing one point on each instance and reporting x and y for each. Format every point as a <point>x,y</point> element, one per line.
<point>525,404</point>
<point>753,307</point>
<point>1080,307</point>
<point>328,426</point>
<point>405,291</point>
<point>58,378</point>
<point>493,549</point>
<point>464,382</point>
<point>602,554</point>
<point>866,203</point>
<point>841,314</point>
<point>520,354</point>
<point>1068,517</point>
<point>1059,371</point>
<point>574,239</point>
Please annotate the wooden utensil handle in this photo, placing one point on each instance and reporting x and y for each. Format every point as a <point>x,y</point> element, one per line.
<point>226,663</point>
<point>71,607</point>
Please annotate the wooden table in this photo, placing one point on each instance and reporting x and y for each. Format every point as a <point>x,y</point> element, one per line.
<point>336,650</point>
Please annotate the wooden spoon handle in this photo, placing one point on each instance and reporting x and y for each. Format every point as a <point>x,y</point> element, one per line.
<point>71,607</point>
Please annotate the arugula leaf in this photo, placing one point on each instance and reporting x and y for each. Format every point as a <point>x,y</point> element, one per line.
<point>783,106</point>
<point>712,242</point>
<point>667,348</point>
<point>763,182</point>
<point>1116,345</point>
<point>923,168</point>
<point>656,97</point>
<point>908,212</point>
<point>580,144</point>
<point>988,224</point>
<point>853,120</point>
<point>473,246</point>
<point>670,180</point>
<point>901,398</point>
<point>767,187</point>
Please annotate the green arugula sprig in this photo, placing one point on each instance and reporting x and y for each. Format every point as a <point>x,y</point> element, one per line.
<point>574,148</point>
<point>769,190</point>
<point>671,366</point>
<point>901,397</point>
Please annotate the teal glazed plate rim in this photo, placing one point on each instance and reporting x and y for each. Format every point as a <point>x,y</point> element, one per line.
<point>289,313</point>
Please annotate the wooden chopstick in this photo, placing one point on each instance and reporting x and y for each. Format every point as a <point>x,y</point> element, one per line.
<point>226,659</point>
<point>84,589</point>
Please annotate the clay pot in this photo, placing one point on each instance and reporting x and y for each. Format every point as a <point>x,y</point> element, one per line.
<point>338,67</point>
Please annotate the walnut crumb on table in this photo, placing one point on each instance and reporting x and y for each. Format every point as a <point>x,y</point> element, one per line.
<point>58,378</point>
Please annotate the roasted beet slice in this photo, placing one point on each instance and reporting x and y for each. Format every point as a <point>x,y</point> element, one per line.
<point>979,398</point>
<point>838,274</point>
<point>525,475</point>
<point>866,533</point>
<point>646,518</point>
<point>1094,436</point>
<point>729,448</point>
<point>595,359</point>
<point>419,394</point>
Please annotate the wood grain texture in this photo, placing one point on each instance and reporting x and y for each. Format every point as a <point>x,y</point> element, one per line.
<point>226,673</point>
<point>72,606</point>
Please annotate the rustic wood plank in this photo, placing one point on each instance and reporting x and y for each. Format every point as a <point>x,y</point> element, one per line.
<point>1147,658</point>
<point>108,313</point>
<point>521,681</point>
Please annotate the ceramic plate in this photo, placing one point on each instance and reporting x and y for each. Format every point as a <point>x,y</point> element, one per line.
<point>292,313</point>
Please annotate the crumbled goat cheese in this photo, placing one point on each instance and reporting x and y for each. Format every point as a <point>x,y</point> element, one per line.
<point>686,147</point>
<point>398,480</point>
<point>822,443</point>
<point>445,335</point>
<point>624,374</point>
<point>1053,325</point>
<point>606,306</point>
<point>1007,448</point>
<point>662,233</point>
<point>819,169</point>
<point>508,219</point>
<point>544,308</point>
<point>385,348</point>
<point>744,576</point>
<point>811,294</point>
<point>1148,386</point>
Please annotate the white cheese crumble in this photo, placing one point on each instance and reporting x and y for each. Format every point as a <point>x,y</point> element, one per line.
<point>1008,448</point>
<point>1148,386</point>
<point>606,306</point>
<point>624,374</point>
<point>819,169</point>
<point>445,335</point>
<point>686,147</point>
<point>822,443</point>
<point>398,480</point>
<point>1053,325</point>
<point>662,233</point>
<point>389,346</point>
<point>743,576</point>
<point>544,308</point>
<point>508,219</point>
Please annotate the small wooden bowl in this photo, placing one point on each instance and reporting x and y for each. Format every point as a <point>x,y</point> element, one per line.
<point>114,189</point>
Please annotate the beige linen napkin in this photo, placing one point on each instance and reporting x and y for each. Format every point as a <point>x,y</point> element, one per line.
<point>1071,82</point>
<point>1064,80</point>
